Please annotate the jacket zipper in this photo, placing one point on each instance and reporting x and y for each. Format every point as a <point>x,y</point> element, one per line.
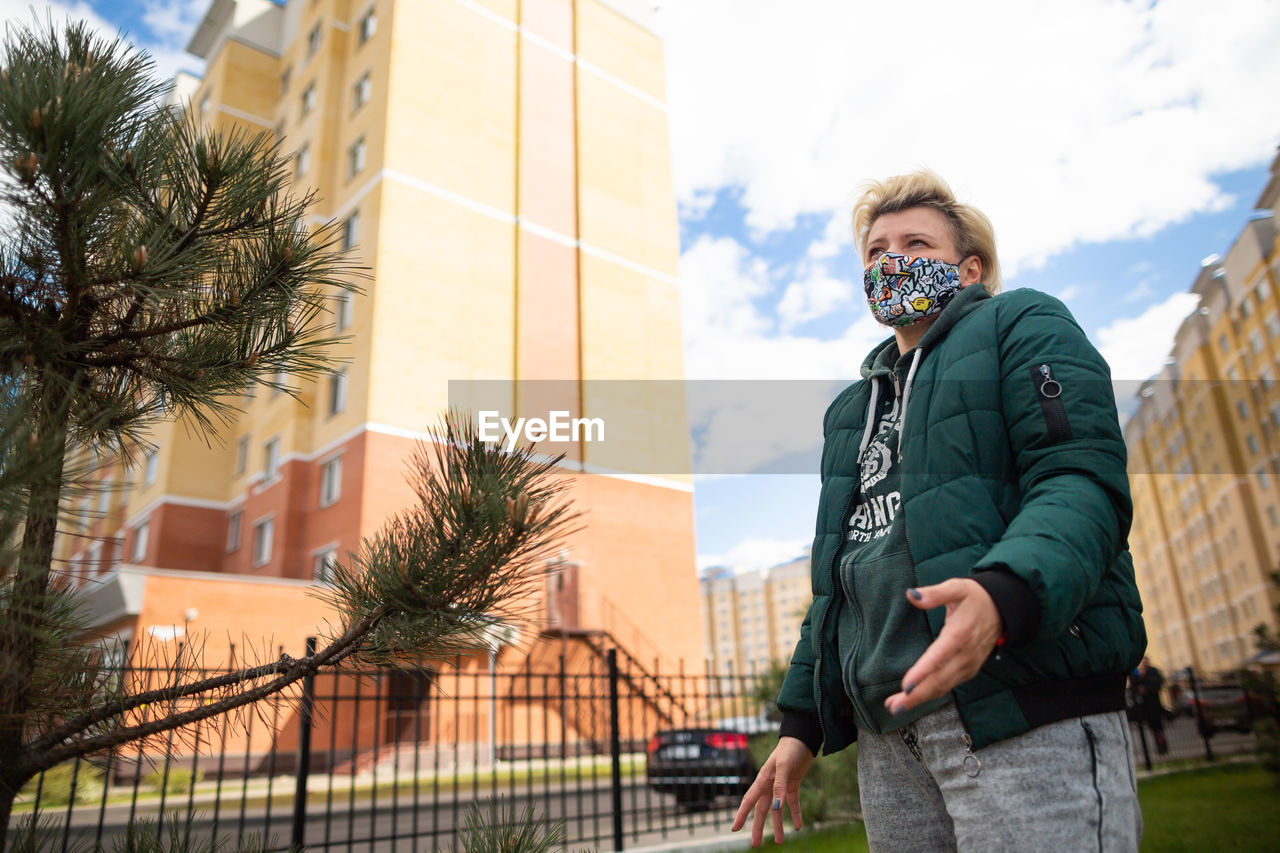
<point>836,584</point>
<point>837,576</point>
<point>1049,392</point>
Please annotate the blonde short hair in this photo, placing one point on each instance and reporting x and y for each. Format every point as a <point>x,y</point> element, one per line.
<point>971,230</point>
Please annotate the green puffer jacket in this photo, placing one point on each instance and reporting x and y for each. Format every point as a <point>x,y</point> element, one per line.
<point>1000,472</point>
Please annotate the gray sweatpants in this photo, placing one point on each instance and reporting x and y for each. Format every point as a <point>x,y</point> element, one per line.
<point>1066,786</point>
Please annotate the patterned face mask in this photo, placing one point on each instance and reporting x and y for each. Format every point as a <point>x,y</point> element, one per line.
<point>902,290</point>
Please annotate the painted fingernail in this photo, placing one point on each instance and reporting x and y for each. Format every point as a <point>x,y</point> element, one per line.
<point>911,685</point>
<point>915,594</point>
<point>777,804</point>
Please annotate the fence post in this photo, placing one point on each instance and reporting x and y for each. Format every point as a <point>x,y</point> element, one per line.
<point>615,749</point>
<point>1200,724</point>
<point>1146,751</point>
<point>304,753</point>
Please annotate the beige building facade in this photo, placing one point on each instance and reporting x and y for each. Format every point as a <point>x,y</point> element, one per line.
<point>1204,448</point>
<point>502,169</point>
<point>752,619</point>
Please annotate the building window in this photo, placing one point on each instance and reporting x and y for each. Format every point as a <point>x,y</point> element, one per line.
<point>362,91</point>
<point>342,311</point>
<point>313,39</point>
<point>1242,409</point>
<point>303,160</point>
<point>1222,342</point>
<point>1271,516</point>
<point>284,80</point>
<point>1273,325</point>
<point>150,464</point>
<point>242,455</point>
<point>1252,442</point>
<point>330,482</point>
<point>140,536</point>
<point>368,26</point>
<point>351,230</point>
<point>355,158</point>
<point>206,106</point>
<point>279,382</point>
<point>271,459</point>
<point>1263,480</point>
<point>323,565</point>
<point>1245,310</point>
<point>309,98</point>
<point>263,532</point>
<point>235,523</point>
<point>104,496</point>
<point>338,391</point>
<point>1255,341</point>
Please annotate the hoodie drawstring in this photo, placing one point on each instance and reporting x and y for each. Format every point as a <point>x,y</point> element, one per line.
<point>873,420</point>
<point>906,395</point>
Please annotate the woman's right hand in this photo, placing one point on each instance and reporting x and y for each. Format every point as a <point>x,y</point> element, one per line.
<point>777,782</point>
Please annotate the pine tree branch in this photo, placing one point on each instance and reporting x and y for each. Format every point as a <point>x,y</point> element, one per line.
<point>71,745</point>
<point>157,331</point>
<point>17,308</point>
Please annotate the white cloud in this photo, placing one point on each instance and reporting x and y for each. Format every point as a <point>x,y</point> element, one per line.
<point>753,554</point>
<point>173,21</point>
<point>1073,123</point>
<point>836,237</point>
<point>1069,293</point>
<point>812,297</point>
<point>165,44</point>
<point>728,305</point>
<point>1136,347</point>
<point>1143,289</point>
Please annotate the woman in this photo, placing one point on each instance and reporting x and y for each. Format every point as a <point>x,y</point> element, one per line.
<point>975,613</point>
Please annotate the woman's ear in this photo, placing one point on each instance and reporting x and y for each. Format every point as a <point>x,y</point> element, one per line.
<point>970,271</point>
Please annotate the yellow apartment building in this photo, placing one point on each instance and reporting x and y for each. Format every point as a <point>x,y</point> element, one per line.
<point>502,169</point>
<point>751,619</point>
<point>1204,446</point>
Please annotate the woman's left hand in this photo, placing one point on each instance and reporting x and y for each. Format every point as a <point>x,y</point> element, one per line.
<point>967,637</point>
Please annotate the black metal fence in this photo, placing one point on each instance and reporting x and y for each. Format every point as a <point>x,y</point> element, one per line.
<point>396,759</point>
<point>1195,721</point>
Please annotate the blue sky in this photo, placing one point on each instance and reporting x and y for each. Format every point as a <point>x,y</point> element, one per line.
<point>1114,145</point>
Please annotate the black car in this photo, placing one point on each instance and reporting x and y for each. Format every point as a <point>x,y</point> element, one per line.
<point>698,765</point>
<point>1226,706</point>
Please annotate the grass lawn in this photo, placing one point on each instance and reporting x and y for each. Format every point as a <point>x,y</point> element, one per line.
<point>1235,807</point>
<point>254,794</point>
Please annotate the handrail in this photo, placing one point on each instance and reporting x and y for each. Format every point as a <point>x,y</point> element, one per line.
<point>627,634</point>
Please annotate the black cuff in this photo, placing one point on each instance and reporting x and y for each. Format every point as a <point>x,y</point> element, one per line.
<point>1017,604</point>
<point>806,727</point>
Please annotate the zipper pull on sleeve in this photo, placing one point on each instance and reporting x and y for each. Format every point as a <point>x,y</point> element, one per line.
<point>1049,387</point>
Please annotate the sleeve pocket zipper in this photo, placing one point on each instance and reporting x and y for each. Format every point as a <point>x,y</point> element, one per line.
<point>1049,392</point>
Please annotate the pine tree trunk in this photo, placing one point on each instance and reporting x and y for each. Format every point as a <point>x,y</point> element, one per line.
<point>6,808</point>
<point>24,616</point>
